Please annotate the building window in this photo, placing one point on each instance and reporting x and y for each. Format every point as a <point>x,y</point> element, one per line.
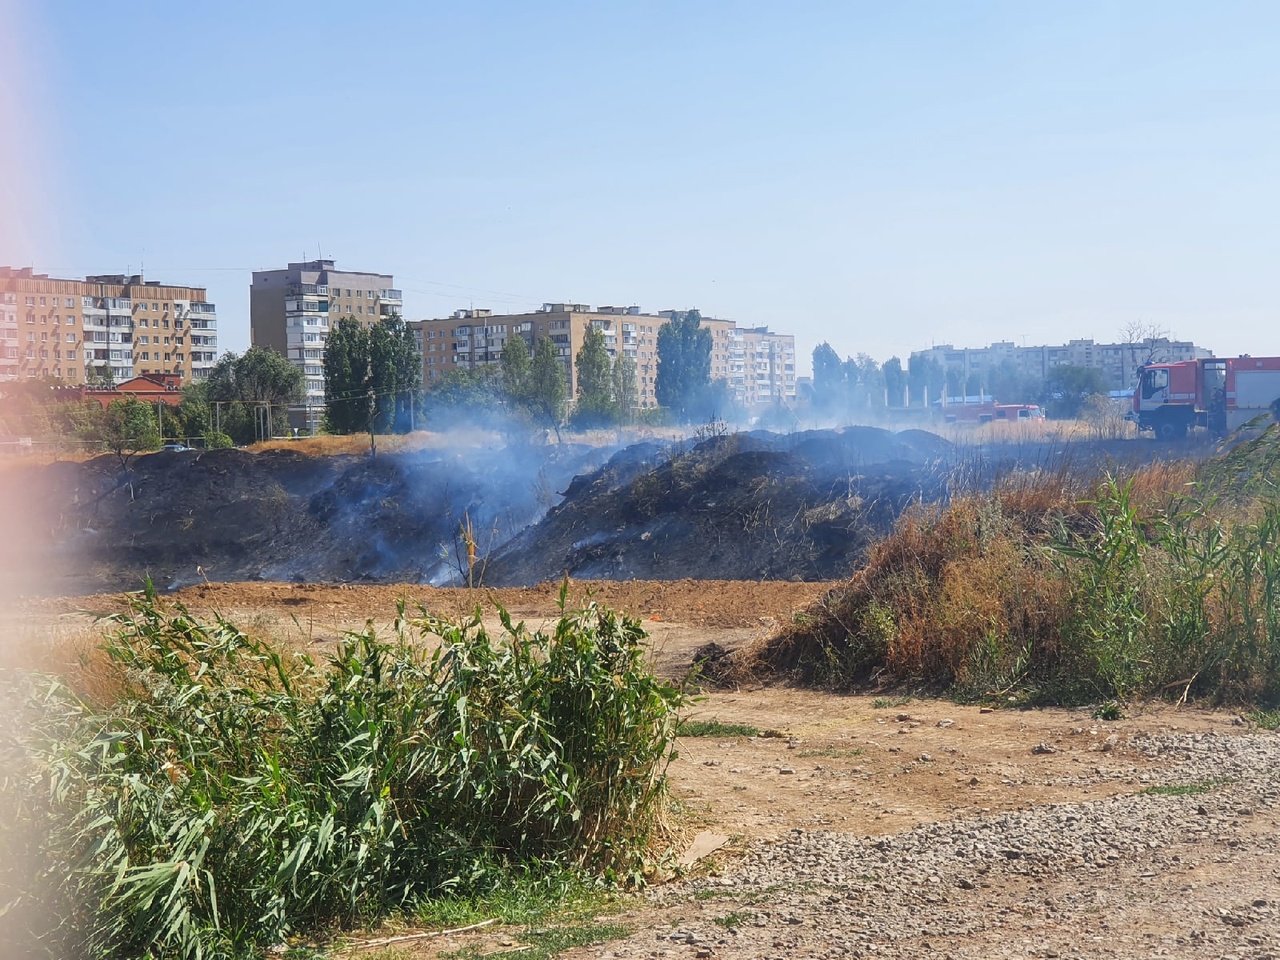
<point>142,306</point>
<point>71,355</point>
<point>31,301</point>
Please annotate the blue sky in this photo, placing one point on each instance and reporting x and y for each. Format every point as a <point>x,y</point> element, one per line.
<point>880,176</point>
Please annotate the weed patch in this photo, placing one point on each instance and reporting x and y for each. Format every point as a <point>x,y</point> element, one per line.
<point>1184,789</point>
<point>1266,719</point>
<point>714,728</point>
<point>226,798</point>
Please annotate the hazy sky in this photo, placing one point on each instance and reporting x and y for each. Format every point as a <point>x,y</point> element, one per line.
<point>880,175</point>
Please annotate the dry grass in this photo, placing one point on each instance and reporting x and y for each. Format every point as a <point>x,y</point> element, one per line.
<point>327,445</point>
<point>966,596</point>
<point>1025,431</point>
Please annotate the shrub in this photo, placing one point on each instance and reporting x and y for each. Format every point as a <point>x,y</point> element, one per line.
<point>217,441</point>
<point>230,797</point>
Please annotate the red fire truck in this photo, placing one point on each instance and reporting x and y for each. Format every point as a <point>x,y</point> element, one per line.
<point>1217,393</point>
<point>989,412</point>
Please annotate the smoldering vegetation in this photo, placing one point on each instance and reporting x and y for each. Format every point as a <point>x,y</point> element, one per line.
<point>758,505</point>
<point>229,515</point>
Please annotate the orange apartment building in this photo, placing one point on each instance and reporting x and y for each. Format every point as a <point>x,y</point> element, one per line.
<point>758,365</point>
<point>78,330</point>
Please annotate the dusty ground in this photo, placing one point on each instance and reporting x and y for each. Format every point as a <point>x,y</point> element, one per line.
<point>1183,875</point>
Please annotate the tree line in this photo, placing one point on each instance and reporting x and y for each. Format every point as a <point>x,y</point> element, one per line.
<point>530,389</point>
<point>860,383</point>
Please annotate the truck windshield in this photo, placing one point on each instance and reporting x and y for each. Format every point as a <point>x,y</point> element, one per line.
<point>1153,381</point>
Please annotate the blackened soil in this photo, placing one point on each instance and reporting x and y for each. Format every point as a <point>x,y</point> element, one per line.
<point>748,506</point>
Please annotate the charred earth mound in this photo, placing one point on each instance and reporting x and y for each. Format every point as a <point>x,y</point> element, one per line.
<point>747,506</point>
<point>226,515</point>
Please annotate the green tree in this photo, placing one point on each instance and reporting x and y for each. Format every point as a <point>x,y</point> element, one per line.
<point>830,389</point>
<point>548,390</point>
<point>626,394</point>
<point>252,391</point>
<point>684,364</point>
<point>595,406</point>
<point>193,417</point>
<point>1067,387</point>
<point>126,428</point>
<point>515,368</point>
<point>395,374</point>
<point>870,380</point>
<point>895,381</point>
<point>372,377</point>
<point>346,377</point>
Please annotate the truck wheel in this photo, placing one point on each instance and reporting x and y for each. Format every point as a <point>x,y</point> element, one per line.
<point>1171,430</point>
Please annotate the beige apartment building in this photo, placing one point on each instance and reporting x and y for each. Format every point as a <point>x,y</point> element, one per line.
<point>292,311</point>
<point>1118,361</point>
<point>75,330</point>
<point>758,365</point>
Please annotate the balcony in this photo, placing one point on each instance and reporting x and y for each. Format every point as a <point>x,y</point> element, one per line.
<point>298,289</point>
<point>390,294</point>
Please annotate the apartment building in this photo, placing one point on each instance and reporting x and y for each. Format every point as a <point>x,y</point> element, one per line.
<point>475,338</point>
<point>757,364</point>
<point>292,311</point>
<point>1118,361</point>
<point>78,330</point>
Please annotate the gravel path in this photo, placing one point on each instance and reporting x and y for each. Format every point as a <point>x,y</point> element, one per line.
<point>1188,868</point>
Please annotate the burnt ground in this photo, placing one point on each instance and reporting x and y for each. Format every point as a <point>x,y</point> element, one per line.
<point>748,506</point>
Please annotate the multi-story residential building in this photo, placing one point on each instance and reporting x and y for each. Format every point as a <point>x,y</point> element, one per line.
<point>78,330</point>
<point>766,365</point>
<point>758,365</point>
<point>292,311</point>
<point>1118,361</point>
<point>474,338</point>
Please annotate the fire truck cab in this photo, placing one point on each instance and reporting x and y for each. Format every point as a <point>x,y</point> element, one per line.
<point>1218,393</point>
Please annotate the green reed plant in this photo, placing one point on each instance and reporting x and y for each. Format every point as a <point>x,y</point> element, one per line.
<point>230,797</point>
<point>1107,628</point>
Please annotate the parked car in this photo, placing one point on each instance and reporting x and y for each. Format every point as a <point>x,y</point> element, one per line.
<point>176,447</point>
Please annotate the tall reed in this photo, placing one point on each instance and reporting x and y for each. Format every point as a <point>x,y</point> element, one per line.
<point>229,797</point>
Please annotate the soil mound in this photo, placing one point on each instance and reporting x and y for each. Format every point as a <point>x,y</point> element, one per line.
<point>751,506</point>
<point>223,515</point>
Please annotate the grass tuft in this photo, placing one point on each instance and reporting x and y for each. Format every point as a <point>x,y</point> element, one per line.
<point>714,728</point>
